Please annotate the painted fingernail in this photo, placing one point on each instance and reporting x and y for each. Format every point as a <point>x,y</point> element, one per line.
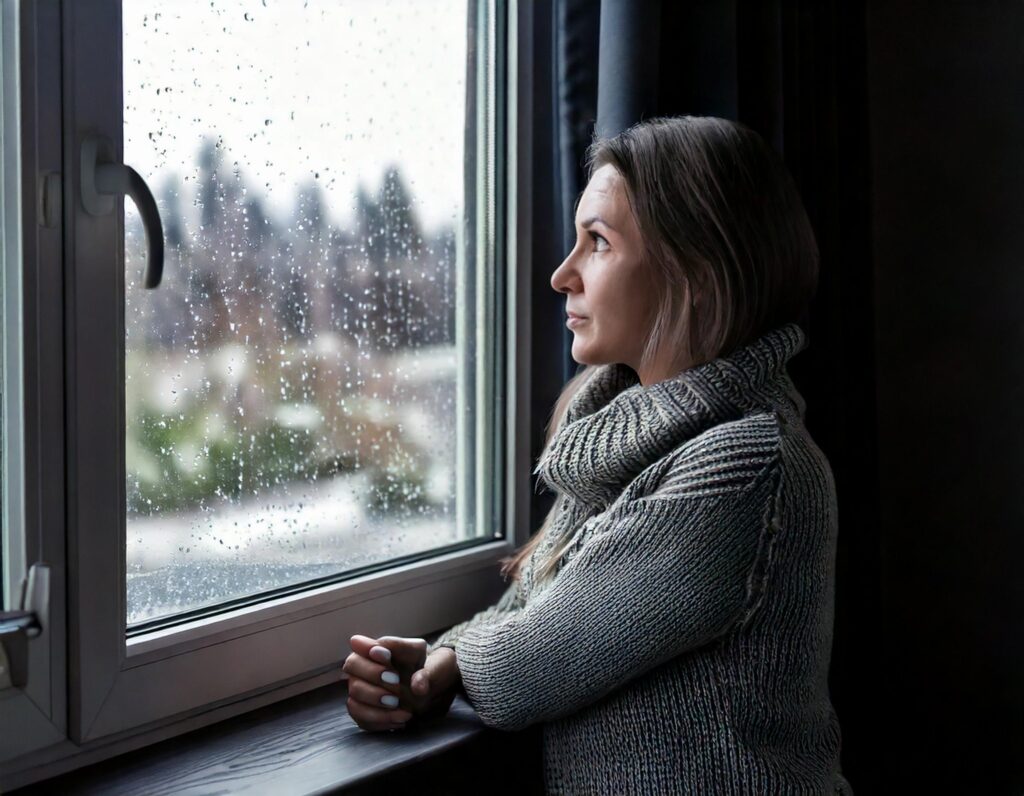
<point>390,700</point>
<point>389,677</point>
<point>381,654</point>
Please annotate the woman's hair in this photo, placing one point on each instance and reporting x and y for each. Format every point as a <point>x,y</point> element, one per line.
<point>728,241</point>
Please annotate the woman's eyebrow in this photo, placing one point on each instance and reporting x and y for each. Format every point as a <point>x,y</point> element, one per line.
<point>595,220</point>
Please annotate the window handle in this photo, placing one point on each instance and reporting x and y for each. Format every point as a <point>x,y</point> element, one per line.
<point>17,627</point>
<point>102,178</point>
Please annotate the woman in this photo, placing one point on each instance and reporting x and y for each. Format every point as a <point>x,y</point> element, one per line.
<point>671,622</point>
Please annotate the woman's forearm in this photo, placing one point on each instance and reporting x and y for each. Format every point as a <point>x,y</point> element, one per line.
<point>510,601</point>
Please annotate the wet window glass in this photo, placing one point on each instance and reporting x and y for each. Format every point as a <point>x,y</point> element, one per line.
<point>292,388</point>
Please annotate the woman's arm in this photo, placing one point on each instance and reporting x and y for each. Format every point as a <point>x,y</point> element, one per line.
<point>508,603</point>
<point>426,677</point>
<point>665,574</point>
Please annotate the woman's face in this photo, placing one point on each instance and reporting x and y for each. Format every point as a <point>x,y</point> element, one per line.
<point>610,295</point>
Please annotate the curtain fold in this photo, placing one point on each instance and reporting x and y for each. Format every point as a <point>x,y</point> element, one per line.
<point>628,65</point>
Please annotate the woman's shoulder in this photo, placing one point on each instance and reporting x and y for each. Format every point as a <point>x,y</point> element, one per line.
<point>726,457</point>
<point>762,445</point>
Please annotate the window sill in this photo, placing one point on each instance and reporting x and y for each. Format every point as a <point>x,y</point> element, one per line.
<point>303,745</point>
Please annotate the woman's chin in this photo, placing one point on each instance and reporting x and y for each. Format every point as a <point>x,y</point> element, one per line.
<point>579,353</point>
<point>585,355</point>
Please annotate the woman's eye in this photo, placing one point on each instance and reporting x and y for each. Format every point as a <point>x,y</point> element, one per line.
<point>600,243</point>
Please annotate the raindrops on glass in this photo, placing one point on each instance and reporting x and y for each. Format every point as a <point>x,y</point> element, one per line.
<point>291,388</point>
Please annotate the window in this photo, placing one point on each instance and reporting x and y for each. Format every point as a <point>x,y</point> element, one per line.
<point>306,429</point>
<point>297,387</point>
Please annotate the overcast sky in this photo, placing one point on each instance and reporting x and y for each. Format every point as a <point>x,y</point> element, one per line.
<point>335,88</point>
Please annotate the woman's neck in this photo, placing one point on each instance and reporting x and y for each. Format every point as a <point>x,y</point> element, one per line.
<point>660,369</point>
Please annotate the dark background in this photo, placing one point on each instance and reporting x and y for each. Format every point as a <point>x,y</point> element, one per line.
<point>947,141</point>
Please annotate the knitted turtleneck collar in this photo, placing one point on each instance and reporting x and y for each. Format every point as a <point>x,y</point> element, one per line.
<point>615,427</point>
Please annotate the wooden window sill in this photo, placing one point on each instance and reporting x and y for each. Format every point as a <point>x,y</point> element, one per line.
<point>303,745</point>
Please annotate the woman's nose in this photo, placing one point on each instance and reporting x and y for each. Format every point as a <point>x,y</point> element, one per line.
<point>564,279</point>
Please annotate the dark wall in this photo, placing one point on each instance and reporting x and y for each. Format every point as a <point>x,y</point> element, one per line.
<point>947,138</point>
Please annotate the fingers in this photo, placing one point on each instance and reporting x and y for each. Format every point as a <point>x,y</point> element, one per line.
<point>374,719</point>
<point>420,684</point>
<point>356,665</point>
<point>372,695</point>
<point>405,652</point>
<point>440,671</point>
<point>405,661</point>
<point>369,648</point>
<point>394,650</point>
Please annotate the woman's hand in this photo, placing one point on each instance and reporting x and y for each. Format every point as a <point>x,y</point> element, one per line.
<point>375,689</point>
<point>434,686</point>
<point>392,679</point>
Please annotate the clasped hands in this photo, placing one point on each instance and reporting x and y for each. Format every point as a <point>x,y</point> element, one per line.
<point>391,680</point>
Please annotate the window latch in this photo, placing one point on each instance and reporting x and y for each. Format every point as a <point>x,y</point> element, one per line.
<point>17,628</point>
<point>102,179</point>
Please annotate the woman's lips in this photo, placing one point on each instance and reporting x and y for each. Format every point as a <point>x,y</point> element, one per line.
<point>574,320</point>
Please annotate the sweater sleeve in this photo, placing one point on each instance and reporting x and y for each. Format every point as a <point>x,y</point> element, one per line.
<point>508,603</point>
<point>660,575</point>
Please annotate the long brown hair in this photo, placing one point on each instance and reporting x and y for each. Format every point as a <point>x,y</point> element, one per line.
<point>729,241</point>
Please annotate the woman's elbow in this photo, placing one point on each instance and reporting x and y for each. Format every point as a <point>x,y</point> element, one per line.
<point>502,686</point>
<point>499,718</point>
<point>500,708</point>
<point>497,710</point>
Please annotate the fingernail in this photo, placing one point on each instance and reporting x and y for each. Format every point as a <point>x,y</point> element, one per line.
<point>380,654</point>
<point>389,677</point>
<point>390,700</point>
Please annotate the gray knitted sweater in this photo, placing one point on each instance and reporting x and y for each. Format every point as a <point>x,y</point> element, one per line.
<point>683,644</point>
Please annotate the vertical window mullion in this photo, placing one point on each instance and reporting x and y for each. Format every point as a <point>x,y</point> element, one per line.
<point>95,320</point>
<point>33,716</point>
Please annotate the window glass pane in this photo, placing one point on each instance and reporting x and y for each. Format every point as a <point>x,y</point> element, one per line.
<point>293,387</point>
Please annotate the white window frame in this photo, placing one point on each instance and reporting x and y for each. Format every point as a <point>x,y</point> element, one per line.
<point>122,693</point>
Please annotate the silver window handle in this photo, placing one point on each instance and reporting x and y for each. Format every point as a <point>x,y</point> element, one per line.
<point>18,627</point>
<point>102,179</point>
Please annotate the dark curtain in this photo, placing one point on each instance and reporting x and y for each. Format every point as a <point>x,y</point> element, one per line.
<point>565,110</point>
<point>577,23</point>
<point>795,72</point>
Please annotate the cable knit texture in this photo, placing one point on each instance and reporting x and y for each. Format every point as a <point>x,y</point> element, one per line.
<point>683,644</point>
